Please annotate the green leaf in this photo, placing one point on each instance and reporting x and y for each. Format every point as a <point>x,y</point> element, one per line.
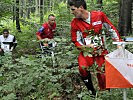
<point>11,96</point>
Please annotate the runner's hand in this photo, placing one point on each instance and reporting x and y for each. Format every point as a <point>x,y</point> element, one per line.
<point>1,49</point>
<point>119,46</point>
<point>45,44</point>
<point>90,45</point>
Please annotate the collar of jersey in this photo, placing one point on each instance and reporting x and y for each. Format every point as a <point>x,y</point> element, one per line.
<point>88,19</point>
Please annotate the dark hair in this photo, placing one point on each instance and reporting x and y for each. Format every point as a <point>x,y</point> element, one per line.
<point>51,15</point>
<point>5,30</point>
<point>77,3</point>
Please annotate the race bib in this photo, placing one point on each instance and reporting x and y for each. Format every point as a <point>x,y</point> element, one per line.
<point>5,47</point>
<point>95,40</point>
<point>87,41</point>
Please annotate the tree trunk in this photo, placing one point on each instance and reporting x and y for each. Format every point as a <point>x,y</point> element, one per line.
<point>37,7</point>
<point>17,16</point>
<point>21,8</point>
<point>33,6</point>
<point>100,2</point>
<point>29,9</point>
<point>132,18</point>
<point>41,11</point>
<point>14,11</point>
<point>49,5</point>
<point>125,27</point>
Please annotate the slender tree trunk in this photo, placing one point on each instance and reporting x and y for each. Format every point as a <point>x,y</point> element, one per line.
<point>37,7</point>
<point>21,8</point>
<point>132,18</point>
<point>14,11</point>
<point>17,16</point>
<point>100,3</point>
<point>29,9</point>
<point>45,7</point>
<point>125,26</point>
<point>49,5</point>
<point>41,11</point>
<point>33,6</point>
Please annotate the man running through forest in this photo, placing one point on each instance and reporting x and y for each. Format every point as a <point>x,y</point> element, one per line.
<point>47,30</point>
<point>86,32</point>
<point>8,42</point>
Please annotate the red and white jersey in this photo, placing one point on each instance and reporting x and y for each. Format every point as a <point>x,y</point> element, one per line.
<point>96,21</point>
<point>46,31</point>
<point>7,44</point>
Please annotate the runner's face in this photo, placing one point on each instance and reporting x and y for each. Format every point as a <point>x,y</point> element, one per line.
<point>76,11</point>
<point>51,20</point>
<point>5,34</point>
